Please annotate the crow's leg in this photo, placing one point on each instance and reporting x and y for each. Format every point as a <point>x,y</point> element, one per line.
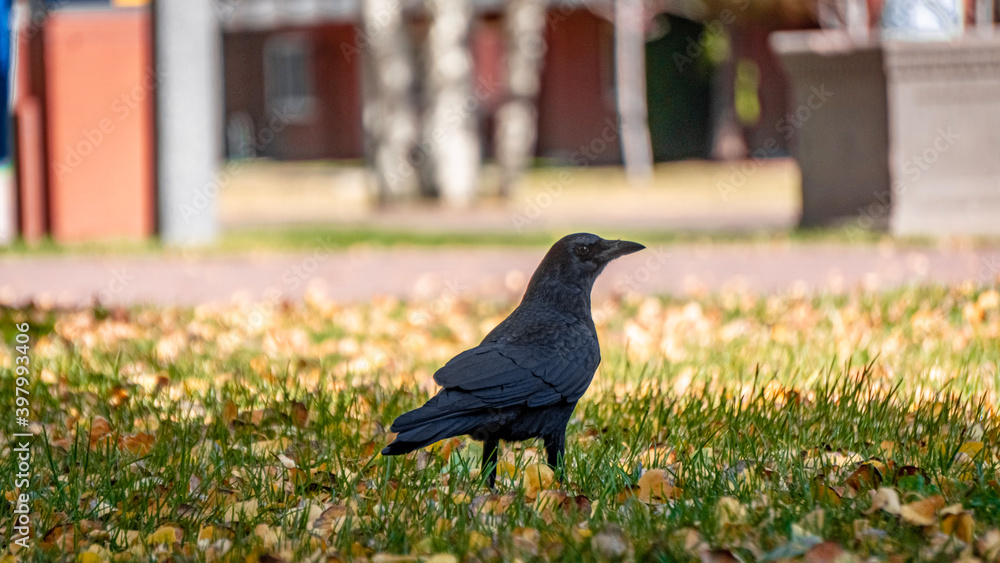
<point>491,453</point>
<point>555,449</point>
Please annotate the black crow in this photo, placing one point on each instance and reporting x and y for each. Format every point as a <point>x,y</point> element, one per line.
<point>525,377</point>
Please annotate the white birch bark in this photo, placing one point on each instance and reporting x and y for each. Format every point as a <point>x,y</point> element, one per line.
<point>517,118</point>
<point>389,114</point>
<point>630,82</point>
<point>450,134</point>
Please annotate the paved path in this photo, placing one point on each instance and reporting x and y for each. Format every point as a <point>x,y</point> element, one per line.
<point>360,274</point>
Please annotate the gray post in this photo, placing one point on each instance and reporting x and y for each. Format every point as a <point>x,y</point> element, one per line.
<point>188,54</point>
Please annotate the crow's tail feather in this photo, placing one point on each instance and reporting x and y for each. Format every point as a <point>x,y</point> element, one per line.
<point>428,424</point>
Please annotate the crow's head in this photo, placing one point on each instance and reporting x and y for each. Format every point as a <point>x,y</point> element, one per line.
<point>576,260</point>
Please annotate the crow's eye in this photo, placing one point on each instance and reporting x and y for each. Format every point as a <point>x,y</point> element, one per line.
<point>582,250</point>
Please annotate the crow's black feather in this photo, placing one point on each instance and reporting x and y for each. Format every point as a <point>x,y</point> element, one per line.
<point>525,377</point>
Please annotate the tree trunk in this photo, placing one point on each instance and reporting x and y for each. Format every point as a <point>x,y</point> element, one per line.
<point>450,135</point>
<point>389,116</point>
<point>517,118</point>
<point>630,78</point>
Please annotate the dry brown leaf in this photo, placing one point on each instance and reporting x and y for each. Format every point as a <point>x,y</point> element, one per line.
<point>718,556</point>
<point>286,462</point>
<point>655,486</point>
<point>958,522</point>
<point>300,414</point>
<point>826,552</point>
<point>921,512</point>
<point>139,444</point>
<point>866,477</point>
<point>610,543</point>
<point>229,412</point>
<point>988,546</point>
<point>240,510</point>
<point>886,499</point>
<point>330,520</point>
<point>548,502</point>
<point>100,429</point>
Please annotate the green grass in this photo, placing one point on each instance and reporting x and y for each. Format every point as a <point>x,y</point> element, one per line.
<point>261,439</point>
<point>305,238</point>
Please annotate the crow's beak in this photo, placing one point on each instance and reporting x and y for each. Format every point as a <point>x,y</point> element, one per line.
<point>618,248</point>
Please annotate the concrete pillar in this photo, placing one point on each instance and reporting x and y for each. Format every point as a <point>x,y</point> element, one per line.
<point>188,52</point>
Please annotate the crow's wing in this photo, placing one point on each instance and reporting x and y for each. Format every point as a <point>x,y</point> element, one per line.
<point>507,375</point>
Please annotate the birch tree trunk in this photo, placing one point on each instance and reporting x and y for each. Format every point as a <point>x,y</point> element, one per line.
<point>630,82</point>
<point>517,118</point>
<point>389,115</point>
<point>450,135</point>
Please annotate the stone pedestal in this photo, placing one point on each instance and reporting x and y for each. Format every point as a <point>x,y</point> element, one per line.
<point>944,116</point>
<point>838,124</point>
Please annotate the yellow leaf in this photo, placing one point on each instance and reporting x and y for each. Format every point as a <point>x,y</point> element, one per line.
<point>478,541</point>
<point>971,449</point>
<point>441,558</point>
<point>730,512</point>
<point>89,557</point>
<point>960,525</point>
<point>538,476</point>
<point>921,512</point>
<point>887,448</point>
<point>506,469</point>
<point>165,534</point>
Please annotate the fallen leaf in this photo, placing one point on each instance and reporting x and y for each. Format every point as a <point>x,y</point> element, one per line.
<point>241,511</point>
<point>165,534</point>
<point>988,546</point>
<point>139,444</point>
<point>655,487</point>
<point>610,543</point>
<point>300,414</point>
<point>730,512</point>
<point>886,499</point>
<point>825,552</point>
<point>958,522</point>
<point>921,512</point>
<point>866,477</point>
<point>537,477</point>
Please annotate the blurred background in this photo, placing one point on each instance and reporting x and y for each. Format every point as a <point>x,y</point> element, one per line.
<point>184,120</point>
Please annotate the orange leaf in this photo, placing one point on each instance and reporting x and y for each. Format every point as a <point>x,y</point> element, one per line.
<point>140,443</point>
<point>655,486</point>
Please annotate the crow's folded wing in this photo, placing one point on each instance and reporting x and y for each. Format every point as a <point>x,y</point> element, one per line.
<point>509,375</point>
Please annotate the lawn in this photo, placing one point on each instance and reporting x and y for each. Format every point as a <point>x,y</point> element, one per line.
<point>724,428</point>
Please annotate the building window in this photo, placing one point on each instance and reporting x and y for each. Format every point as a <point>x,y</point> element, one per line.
<point>288,77</point>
